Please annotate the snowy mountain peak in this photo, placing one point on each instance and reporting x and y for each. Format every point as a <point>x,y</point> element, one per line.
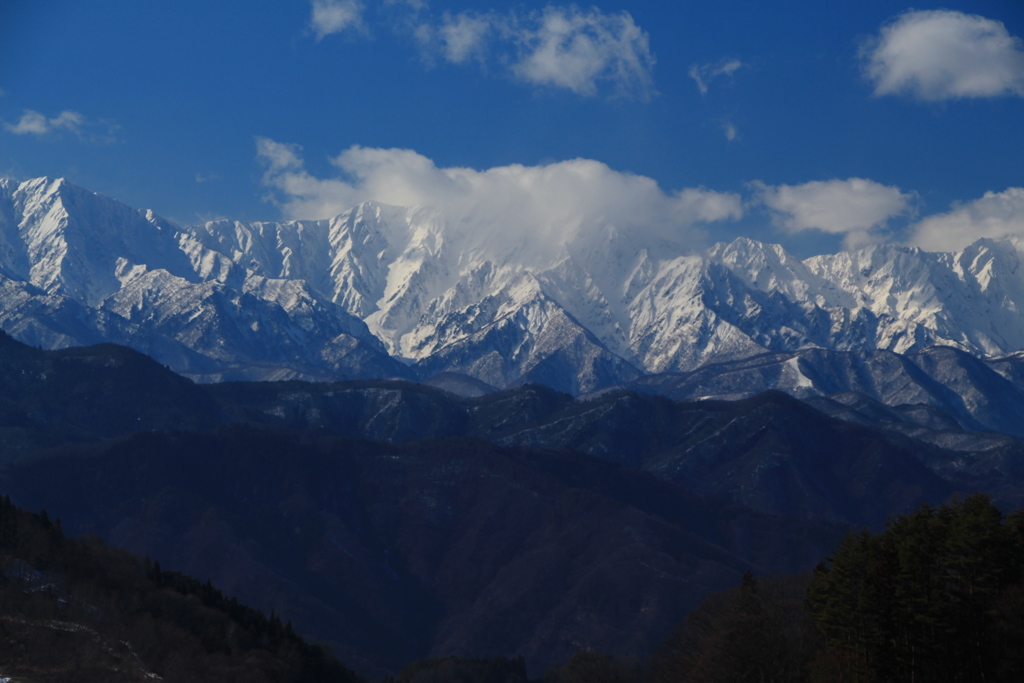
<point>767,267</point>
<point>579,305</point>
<point>69,240</point>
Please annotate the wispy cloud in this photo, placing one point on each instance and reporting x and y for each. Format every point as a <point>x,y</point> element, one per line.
<point>856,208</point>
<point>206,177</point>
<point>703,74</point>
<point>942,54</point>
<point>730,131</point>
<point>561,47</point>
<point>278,156</point>
<point>337,16</point>
<point>458,38</point>
<point>995,215</point>
<point>206,217</point>
<point>542,206</point>
<point>34,123</point>
<point>572,49</point>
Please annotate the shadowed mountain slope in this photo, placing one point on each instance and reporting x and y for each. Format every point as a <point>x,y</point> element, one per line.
<point>395,553</point>
<point>774,452</point>
<point>82,393</point>
<point>398,521</point>
<point>81,611</point>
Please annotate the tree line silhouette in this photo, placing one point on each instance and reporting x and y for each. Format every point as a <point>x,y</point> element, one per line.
<point>937,596</point>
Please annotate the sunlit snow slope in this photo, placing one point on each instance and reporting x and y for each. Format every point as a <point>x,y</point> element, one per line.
<point>388,291</point>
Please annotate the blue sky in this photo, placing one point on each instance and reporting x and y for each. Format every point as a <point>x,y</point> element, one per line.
<point>815,124</point>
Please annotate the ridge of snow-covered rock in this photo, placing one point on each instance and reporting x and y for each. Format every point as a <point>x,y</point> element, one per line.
<point>972,393</point>
<point>598,309</point>
<point>81,268</point>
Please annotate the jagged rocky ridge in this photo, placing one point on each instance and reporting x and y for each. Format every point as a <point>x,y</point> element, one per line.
<point>384,291</point>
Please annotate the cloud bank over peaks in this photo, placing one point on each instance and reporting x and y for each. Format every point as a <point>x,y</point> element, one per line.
<point>995,215</point>
<point>856,208</point>
<point>942,54</point>
<point>536,208</point>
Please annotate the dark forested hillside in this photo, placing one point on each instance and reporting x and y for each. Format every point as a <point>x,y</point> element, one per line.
<point>394,553</point>
<point>73,610</point>
<point>771,452</point>
<point>938,596</point>
<point>53,397</point>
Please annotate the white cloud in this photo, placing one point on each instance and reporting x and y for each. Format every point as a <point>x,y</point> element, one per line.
<point>335,16</point>
<point>703,74</point>
<point>31,122</point>
<point>34,123</point>
<point>542,206</point>
<point>995,215</point>
<point>730,131</point>
<point>856,207</point>
<point>942,54</point>
<point>464,36</point>
<point>277,155</point>
<point>568,48</point>
<point>561,47</point>
<point>68,120</point>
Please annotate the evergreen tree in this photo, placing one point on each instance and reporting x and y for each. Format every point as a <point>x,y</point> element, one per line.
<point>757,632</point>
<point>932,598</point>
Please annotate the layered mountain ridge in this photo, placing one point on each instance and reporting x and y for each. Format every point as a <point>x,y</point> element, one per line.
<point>397,521</point>
<point>383,291</point>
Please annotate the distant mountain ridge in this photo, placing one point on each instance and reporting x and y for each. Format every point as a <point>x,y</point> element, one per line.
<point>383,291</point>
<point>748,451</point>
<point>397,520</point>
<point>978,394</point>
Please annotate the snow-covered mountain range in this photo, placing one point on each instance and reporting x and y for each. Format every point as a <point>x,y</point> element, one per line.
<point>392,291</point>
